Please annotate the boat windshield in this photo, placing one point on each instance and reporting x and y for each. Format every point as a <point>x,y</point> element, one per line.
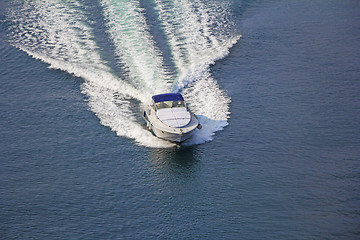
<point>170,104</point>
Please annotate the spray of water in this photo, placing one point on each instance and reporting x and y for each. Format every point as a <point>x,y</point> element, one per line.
<point>59,33</point>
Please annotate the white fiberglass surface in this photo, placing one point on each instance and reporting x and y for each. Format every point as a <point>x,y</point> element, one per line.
<point>174,117</point>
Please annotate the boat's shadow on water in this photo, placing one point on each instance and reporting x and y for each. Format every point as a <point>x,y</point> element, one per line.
<point>174,159</point>
<point>187,155</point>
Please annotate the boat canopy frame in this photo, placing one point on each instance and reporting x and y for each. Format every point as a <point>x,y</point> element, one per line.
<point>167,97</point>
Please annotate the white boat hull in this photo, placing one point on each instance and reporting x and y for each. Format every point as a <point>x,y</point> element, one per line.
<point>172,136</point>
<point>177,135</point>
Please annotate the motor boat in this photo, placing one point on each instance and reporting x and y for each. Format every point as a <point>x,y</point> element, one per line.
<point>169,118</point>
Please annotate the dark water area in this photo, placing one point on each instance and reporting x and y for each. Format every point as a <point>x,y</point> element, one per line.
<point>286,167</point>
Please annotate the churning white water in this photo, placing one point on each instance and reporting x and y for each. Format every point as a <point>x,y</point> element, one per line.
<point>60,33</point>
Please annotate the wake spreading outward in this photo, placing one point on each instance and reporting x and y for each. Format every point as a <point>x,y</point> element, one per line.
<point>64,34</point>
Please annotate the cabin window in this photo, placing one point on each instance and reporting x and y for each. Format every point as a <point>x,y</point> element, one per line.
<point>169,104</point>
<point>162,105</point>
<point>178,104</point>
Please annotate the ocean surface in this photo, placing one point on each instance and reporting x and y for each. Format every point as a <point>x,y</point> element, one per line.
<point>275,84</point>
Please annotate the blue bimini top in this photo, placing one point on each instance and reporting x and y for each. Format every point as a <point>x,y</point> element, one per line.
<point>167,97</point>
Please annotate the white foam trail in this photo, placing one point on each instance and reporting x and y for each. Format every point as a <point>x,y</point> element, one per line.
<point>57,33</point>
<point>55,29</point>
<point>120,116</point>
<point>199,34</point>
<point>211,104</point>
<point>195,33</point>
<point>135,46</point>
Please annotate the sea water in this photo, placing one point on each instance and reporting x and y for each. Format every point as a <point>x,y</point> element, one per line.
<point>275,85</point>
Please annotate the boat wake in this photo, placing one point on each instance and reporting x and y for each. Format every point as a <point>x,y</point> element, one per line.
<point>63,34</point>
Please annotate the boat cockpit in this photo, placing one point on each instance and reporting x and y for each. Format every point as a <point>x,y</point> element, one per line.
<point>169,104</point>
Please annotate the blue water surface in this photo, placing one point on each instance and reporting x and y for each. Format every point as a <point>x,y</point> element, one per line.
<point>286,167</point>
